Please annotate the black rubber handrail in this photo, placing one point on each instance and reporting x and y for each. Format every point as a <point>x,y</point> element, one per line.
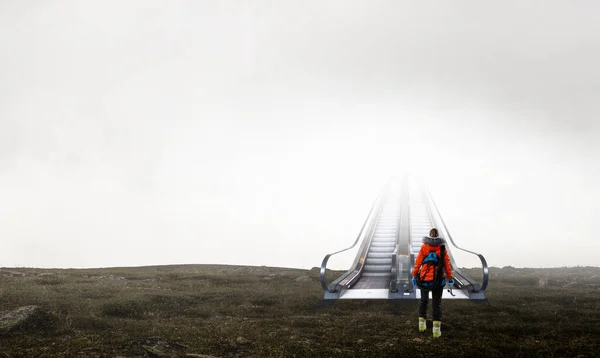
<point>483,261</point>
<point>326,259</point>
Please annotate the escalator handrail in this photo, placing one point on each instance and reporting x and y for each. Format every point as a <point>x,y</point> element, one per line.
<point>483,261</point>
<point>326,259</point>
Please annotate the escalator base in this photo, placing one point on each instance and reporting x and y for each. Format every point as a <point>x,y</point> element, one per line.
<point>385,294</point>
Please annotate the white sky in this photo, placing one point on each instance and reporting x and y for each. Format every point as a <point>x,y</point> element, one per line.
<point>259,132</point>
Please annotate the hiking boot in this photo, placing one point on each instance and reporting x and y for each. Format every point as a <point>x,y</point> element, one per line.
<point>436,329</point>
<point>422,324</point>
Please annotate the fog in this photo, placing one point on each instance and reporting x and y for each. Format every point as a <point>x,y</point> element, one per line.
<point>260,132</point>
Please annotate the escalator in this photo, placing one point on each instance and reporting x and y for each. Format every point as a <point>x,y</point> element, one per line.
<point>378,265</point>
<point>390,240</point>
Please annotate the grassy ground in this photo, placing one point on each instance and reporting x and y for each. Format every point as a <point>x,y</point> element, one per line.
<point>229,311</point>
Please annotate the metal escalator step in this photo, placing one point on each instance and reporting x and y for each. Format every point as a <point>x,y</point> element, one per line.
<point>388,248</point>
<point>377,268</point>
<point>387,252</point>
<point>381,248</point>
<point>382,261</point>
<point>384,245</point>
<point>376,274</point>
<point>387,240</point>
<point>380,255</point>
<point>389,245</point>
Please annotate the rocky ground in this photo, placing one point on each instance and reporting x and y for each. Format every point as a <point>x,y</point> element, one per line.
<point>232,311</point>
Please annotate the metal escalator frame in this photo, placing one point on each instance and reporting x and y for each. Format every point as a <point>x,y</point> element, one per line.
<point>394,274</point>
<point>404,205</point>
<point>412,256</point>
<point>475,287</point>
<point>394,271</point>
<point>356,268</point>
<point>393,285</point>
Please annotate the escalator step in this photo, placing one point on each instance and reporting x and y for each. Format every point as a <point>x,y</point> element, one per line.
<point>383,261</point>
<point>379,255</point>
<point>389,249</point>
<point>378,268</point>
<point>376,274</point>
<point>388,245</point>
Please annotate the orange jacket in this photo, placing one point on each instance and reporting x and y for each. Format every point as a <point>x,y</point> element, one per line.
<point>429,245</point>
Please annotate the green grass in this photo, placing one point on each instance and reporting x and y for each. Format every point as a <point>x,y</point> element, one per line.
<point>231,311</point>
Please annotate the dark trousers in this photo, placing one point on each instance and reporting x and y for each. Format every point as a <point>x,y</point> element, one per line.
<point>436,293</point>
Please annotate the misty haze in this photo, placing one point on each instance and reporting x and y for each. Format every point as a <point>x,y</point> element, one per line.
<point>152,133</point>
<point>254,135</point>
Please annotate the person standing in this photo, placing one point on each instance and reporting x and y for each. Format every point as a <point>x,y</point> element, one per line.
<point>432,268</point>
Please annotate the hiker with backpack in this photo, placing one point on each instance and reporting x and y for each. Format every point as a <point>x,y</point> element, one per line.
<point>432,268</point>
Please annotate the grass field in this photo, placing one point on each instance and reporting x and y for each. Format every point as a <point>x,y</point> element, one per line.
<point>232,311</point>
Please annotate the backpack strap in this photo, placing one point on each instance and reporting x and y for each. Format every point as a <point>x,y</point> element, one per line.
<point>439,273</point>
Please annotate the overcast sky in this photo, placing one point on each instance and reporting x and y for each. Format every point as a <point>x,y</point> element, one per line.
<point>259,132</point>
